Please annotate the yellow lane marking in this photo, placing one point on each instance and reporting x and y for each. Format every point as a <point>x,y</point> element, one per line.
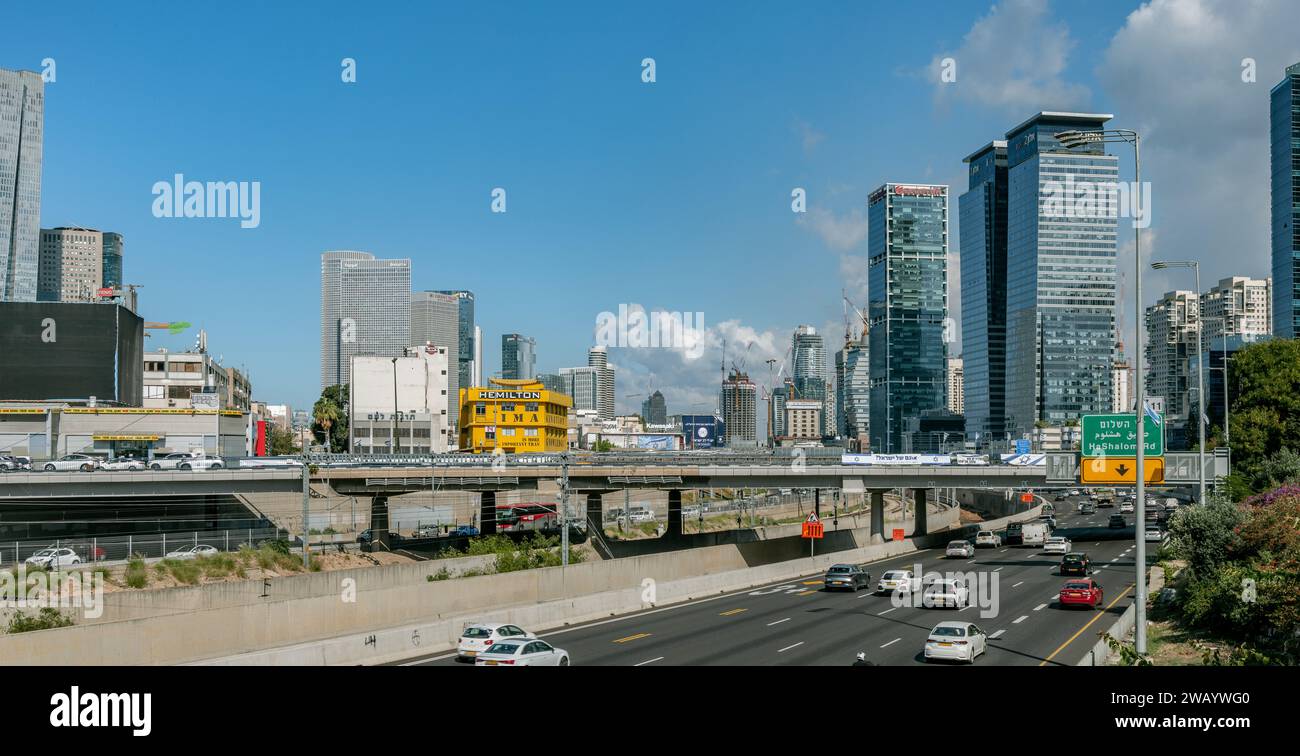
<point>812,582</point>
<point>633,637</point>
<point>731,612</point>
<point>804,593</point>
<point>1095,617</point>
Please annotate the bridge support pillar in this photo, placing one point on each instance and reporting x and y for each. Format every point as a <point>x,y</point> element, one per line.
<point>487,512</point>
<point>674,513</point>
<point>817,502</point>
<point>877,516</point>
<point>922,496</point>
<point>595,513</point>
<point>379,521</point>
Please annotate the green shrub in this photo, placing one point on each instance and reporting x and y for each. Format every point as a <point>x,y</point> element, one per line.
<point>187,571</point>
<point>46,619</point>
<point>137,574</point>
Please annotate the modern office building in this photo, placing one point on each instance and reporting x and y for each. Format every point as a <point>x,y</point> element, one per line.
<point>598,358</point>
<point>435,319</point>
<point>853,392</point>
<point>655,410</point>
<point>112,269</point>
<point>982,215</point>
<point>1061,273</point>
<point>739,401</point>
<point>1171,325</point>
<point>907,247</point>
<point>582,385</point>
<point>365,309</point>
<point>1284,135</point>
<point>803,422</point>
<point>514,416</point>
<point>956,386</point>
<point>22,129</point>
<point>555,382</point>
<point>401,405</point>
<point>1237,306</point>
<point>72,264</point>
<point>808,369</point>
<point>1121,384</point>
<point>518,357</point>
<point>469,352</point>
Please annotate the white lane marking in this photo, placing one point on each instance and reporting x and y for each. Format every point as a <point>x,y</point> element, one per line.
<point>973,561</point>
<point>1040,606</point>
<point>1116,559</point>
<point>1021,619</point>
<point>1004,551</point>
<point>964,608</point>
<point>787,619</point>
<point>892,642</point>
<point>996,635</point>
<point>887,611</point>
<point>1000,569</point>
<point>649,661</point>
<point>787,648</point>
<point>1017,585</point>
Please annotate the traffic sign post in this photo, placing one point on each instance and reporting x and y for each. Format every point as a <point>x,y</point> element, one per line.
<point>1116,436</point>
<point>812,530</point>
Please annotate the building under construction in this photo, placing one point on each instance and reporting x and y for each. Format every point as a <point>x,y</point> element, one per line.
<point>739,404</point>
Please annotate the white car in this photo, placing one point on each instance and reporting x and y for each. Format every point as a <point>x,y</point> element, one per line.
<point>50,558</point>
<point>523,653</point>
<point>987,538</point>
<point>960,641</point>
<point>895,580</point>
<point>1057,545</point>
<point>945,592</point>
<point>962,549</point>
<point>170,461</point>
<point>201,463</point>
<point>1171,504</point>
<point>1074,492</point>
<point>1126,508</point>
<point>1153,535</point>
<point>82,462</point>
<point>122,463</point>
<point>475,639</point>
<point>189,552</point>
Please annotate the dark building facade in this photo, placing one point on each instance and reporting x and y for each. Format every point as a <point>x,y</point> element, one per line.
<point>1284,135</point>
<point>983,218</point>
<point>71,351</point>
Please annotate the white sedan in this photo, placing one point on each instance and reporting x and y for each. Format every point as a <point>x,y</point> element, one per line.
<point>122,463</point>
<point>189,552</point>
<point>478,638</point>
<point>962,549</point>
<point>895,580</point>
<point>1126,508</point>
<point>987,538</point>
<point>82,462</point>
<point>960,641</point>
<point>1153,535</point>
<point>1057,545</point>
<point>946,592</point>
<point>170,461</point>
<point>53,558</point>
<point>523,653</point>
<point>201,463</point>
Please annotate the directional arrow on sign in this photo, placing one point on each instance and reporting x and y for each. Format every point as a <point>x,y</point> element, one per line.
<point>1122,469</point>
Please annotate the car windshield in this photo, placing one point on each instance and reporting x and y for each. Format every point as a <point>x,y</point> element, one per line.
<point>504,648</point>
<point>44,552</point>
<point>840,568</point>
<point>891,575</point>
<point>1072,558</point>
<point>1077,586</point>
<point>957,544</point>
<point>949,632</point>
<point>476,632</point>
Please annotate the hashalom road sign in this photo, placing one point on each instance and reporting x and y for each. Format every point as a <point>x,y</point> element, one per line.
<point>1120,470</point>
<point>1116,436</point>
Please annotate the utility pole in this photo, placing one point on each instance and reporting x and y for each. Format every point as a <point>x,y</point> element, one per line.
<point>564,509</point>
<point>306,499</point>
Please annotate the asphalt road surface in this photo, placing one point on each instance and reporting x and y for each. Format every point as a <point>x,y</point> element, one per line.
<point>798,623</point>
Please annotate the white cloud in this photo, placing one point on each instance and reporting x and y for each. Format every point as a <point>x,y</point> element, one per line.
<point>836,231</point>
<point>1012,59</point>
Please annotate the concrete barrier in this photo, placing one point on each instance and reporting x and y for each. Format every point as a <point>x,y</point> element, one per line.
<point>1100,654</point>
<point>378,614</point>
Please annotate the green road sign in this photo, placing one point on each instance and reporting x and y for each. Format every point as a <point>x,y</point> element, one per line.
<point>1116,436</point>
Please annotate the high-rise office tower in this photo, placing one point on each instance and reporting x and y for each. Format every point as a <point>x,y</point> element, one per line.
<point>1061,273</point>
<point>853,390</point>
<point>557,383</point>
<point>1237,306</point>
<point>435,318</point>
<point>654,410</point>
<point>518,357</point>
<point>469,352</point>
<point>583,385</point>
<point>739,404</point>
<point>22,126</point>
<point>776,412</point>
<point>956,385</point>
<point>598,358</point>
<point>907,243</point>
<point>112,268</point>
<point>365,309</point>
<point>808,357</point>
<point>1284,135</point>
<point>1171,340</point>
<point>982,214</point>
<point>71,265</point>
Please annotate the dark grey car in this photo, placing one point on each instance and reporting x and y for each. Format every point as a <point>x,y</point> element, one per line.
<point>846,577</point>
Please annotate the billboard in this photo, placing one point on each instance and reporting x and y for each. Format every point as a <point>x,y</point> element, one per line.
<point>657,441</point>
<point>703,431</point>
<point>66,350</point>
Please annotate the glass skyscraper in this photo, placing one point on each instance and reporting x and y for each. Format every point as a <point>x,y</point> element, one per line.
<point>982,213</point>
<point>1284,135</point>
<point>518,357</point>
<point>1061,275</point>
<point>907,304</point>
<point>22,125</point>
<point>853,389</point>
<point>468,347</point>
<point>435,317</point>
<point>365,309</point>
<point>112,270</point>
<point>808,353</point>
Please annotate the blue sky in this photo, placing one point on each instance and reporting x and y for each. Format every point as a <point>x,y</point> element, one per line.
<point>671,195</point>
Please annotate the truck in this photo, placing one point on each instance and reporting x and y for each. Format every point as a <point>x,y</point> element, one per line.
<point>1035,533</point>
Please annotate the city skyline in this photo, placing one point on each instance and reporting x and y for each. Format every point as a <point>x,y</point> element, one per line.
<point>807,142</point>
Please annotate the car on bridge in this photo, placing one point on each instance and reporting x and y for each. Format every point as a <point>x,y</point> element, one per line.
<point>895,580</point>
<point>962,549</point>
<point>53,558</point>
<point>1075,563</point>
<point>201,463</point>
<point>945,592</point>
<point>68,462</point>
<point>956,641</point>
<point>190,552</point>
<point>12,463</point>
<point>987,539</point>
<point>477,638</point>
<point>520,653</point>
<point>122,463</point>
<point>1085,592</point>
<point>170,461</point>
<point>849,576</point>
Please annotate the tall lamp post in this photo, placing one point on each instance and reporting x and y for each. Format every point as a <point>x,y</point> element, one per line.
<point>1200,363</point>
<point>1071,140</point>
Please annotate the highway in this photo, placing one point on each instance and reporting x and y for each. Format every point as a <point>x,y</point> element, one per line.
<point>797,623</point>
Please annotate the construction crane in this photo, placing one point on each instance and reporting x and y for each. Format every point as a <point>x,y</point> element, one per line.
<point>848,333</point>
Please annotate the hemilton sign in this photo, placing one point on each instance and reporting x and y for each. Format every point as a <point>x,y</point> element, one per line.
<point>510,395</point>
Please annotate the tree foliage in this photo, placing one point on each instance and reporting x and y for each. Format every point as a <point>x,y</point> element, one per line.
<point>1264,393</point>
<point>330,417</point>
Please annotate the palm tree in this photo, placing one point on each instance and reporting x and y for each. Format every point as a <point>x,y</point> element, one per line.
<point>327,413</point>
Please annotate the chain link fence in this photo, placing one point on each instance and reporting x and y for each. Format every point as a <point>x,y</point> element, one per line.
<point>148,545</point>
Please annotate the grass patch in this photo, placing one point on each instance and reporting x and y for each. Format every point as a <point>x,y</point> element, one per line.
<point>186,571</point>
<point>136,574</point>
<point>47,618</point>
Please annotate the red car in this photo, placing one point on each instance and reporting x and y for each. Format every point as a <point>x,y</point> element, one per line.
<point>1082,592</point>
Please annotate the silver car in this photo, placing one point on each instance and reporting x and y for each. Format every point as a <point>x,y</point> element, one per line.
<point>962,549</point>
<point>846,577</point>
<point>69,462</point>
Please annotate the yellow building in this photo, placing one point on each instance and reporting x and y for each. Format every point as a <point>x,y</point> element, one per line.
<point>517,416</point>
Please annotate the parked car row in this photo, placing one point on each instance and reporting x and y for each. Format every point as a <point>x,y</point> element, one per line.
<point>90,463</point>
